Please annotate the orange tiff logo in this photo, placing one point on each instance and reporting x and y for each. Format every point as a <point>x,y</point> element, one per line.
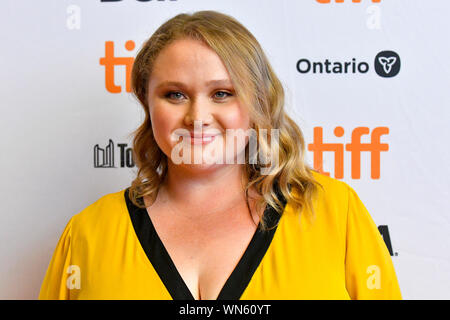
<point>318,147</point>
<point>110,61</point>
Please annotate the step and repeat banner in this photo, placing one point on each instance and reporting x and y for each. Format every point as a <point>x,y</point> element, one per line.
<point>367,81</point>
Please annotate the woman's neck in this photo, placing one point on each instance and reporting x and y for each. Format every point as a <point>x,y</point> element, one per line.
<point>204,191</point>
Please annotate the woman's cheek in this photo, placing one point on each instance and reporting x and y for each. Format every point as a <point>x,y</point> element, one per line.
<point>235,118</point>
<point>163,124</point>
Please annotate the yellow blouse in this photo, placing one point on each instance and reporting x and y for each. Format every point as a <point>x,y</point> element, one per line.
<point>110,250</point>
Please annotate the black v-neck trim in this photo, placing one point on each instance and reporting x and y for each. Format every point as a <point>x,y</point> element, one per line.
<point>168,273</point>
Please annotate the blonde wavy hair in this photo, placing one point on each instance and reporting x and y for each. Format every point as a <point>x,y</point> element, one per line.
<point>257,87</point>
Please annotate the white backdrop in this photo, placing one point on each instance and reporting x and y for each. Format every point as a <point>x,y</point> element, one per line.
<point>55,108</point>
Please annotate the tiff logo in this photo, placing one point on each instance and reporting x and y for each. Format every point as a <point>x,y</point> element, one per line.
<point>110,61</point>
<point>104,157</point>
<point>375,147</point>
<point>373,21</point>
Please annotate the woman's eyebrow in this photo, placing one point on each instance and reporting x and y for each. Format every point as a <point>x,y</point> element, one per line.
<point>223,82</point>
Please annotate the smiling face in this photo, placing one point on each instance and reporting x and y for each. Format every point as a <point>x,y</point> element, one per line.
<point>190,89</point>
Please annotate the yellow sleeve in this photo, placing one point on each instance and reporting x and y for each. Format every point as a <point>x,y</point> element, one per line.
<point>369,271</point>
<point>54,285</point>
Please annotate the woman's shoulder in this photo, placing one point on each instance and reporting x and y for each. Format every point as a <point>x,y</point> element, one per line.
<point>106,210</point>
<point>336,199</point>
<point>332,199</point>
<point>331,188</point>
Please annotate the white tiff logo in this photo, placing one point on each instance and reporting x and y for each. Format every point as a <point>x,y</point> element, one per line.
<point>200,147</point>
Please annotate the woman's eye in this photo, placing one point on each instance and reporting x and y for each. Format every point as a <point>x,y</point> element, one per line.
<point>174,95</point>
<point>222,94</point>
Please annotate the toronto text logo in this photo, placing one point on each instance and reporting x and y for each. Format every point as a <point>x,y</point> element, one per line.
<point>104,157</point>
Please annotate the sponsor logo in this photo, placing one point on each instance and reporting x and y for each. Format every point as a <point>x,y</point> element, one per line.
<point>384,231</point>
<point>306,66</point>
<point>110,61</point>
<point>355,147</point>
<point>386,65</point>
<point>104,157</point>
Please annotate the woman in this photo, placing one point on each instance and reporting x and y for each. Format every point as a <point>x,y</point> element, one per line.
<point>188,228</point>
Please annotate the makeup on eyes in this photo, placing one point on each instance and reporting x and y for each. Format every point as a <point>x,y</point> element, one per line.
<point>227,94</point>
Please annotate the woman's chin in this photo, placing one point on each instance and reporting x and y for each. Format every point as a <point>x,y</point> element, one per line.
<point>200,168</point>
<point>203,161</point>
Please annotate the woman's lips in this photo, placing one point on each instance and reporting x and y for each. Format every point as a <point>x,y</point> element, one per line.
<point>201,139</point>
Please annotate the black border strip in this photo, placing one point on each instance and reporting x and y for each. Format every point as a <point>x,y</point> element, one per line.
<point>245,269</point>
<point>156,252</point>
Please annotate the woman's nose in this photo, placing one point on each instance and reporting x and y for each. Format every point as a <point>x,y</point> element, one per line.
<point>199,112</point>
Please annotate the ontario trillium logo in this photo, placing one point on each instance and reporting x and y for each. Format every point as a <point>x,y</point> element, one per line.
<point>387,64</point>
